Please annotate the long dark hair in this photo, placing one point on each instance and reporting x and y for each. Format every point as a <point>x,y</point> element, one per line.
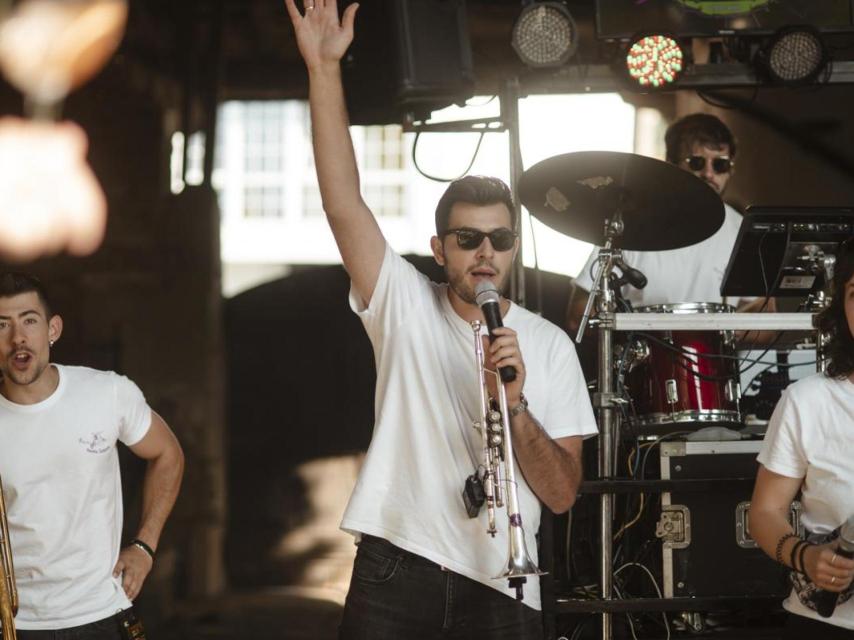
<point>832,321</point>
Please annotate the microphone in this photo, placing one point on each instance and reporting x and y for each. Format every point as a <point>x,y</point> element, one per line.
<point>633,276</point>
<point>487,298</point>
<point>825,601</point>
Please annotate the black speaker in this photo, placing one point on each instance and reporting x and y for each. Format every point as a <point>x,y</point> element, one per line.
<point>407,57</point>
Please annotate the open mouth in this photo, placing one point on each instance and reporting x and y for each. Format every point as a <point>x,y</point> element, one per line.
<point>483,272</point>
<point>22,359</point>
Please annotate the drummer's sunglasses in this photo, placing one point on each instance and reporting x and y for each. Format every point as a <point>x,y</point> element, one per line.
<point>502,239</point>
<point>721,164</point>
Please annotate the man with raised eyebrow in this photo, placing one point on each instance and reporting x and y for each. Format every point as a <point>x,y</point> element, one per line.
<point>59,428</point>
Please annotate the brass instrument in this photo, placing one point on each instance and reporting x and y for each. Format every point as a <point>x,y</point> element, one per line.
<point>494,426</point>
<point>8,591</point>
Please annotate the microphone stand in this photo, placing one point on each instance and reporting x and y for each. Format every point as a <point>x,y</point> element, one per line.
<point>604,400</point>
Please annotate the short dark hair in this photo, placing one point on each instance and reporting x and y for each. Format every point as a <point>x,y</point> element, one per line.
<point>832,321</point>
<point>704,128</point>
<point>478,190</point>
<point>13,283</point>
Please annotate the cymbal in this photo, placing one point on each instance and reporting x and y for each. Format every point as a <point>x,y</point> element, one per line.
<point>663,207</point>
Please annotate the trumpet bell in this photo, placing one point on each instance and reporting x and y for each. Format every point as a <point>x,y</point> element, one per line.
<point>519,564</point>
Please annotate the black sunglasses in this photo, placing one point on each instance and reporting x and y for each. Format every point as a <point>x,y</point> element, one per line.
<point>501,239</point>
<point>721,164</point>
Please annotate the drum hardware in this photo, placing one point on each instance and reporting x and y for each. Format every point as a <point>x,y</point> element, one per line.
<point>687,377</point>
<point>732,391</point>
<point>672,393</point>
<point>634,354</point>
<point>616,201</point>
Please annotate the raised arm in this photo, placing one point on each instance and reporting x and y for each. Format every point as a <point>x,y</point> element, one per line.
<point>323,39</point>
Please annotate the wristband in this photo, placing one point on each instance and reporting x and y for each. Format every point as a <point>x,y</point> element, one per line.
<point>139,543</point>
<point>794,553</point>
<point>801,557</point>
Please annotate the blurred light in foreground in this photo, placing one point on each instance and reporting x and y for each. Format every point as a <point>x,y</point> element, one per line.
<point>49,47</point>
<point>50,200</point>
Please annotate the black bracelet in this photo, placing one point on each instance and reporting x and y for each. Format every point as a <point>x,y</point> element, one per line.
<point>801,557</point>
<point>139,543</point>
<point>778,554</point>
<point>794,553</point>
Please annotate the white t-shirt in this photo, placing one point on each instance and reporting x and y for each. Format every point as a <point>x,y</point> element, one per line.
<point>811,436</point>
<point>689,274</point>
<point>60,472</point>
<point>424,445</point>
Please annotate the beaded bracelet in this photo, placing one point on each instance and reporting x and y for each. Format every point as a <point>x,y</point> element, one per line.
<point>778,554</point>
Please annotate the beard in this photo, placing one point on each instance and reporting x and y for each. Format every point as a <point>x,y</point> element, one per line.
<point>24,378</point>
<point>458,284</point>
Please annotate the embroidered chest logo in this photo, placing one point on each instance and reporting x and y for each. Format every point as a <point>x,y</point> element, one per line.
<point>96,443</point>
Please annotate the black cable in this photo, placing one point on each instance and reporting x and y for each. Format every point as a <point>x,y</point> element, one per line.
<point>687,355</point>
<point>436,178</point>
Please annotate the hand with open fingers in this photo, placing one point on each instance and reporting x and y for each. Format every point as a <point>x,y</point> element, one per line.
<point>828,569</point>
<point>504,352</point>
<point>322,37</point>
<point>133,566</point>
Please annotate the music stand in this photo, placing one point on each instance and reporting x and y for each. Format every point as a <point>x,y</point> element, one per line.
<point>786,251</point>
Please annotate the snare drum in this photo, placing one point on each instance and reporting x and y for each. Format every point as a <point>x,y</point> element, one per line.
<point>676,377</point>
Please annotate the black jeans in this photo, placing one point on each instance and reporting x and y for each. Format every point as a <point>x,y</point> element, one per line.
<point>105,629</point>
<point>395,594</point>
<point>800,627</point>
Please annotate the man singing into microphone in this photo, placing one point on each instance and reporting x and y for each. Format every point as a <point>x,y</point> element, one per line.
<point>424,569</point>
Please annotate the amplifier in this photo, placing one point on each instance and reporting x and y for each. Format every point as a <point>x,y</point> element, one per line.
<point>706,545</point>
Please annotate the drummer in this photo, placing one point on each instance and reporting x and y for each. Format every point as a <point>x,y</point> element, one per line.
<point>702,144</point>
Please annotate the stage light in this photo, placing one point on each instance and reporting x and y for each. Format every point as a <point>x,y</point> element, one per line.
<point>654,61</point>
<point>794,55</point>
<point>545,35</point>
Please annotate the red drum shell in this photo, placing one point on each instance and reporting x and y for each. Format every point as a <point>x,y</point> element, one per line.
<point>668,389</point>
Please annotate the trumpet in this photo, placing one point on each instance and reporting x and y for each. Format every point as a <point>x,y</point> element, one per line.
<point>8,590</point>
<point>499,470</point>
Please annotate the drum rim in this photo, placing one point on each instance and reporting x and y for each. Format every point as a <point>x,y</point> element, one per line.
<point>691,415</point>
<point>686,307</point>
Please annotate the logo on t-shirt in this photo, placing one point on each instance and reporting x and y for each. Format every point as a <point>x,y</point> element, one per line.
<point>96,443</point>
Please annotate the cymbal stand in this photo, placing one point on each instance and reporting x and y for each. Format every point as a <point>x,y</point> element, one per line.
<point>605,401</point>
